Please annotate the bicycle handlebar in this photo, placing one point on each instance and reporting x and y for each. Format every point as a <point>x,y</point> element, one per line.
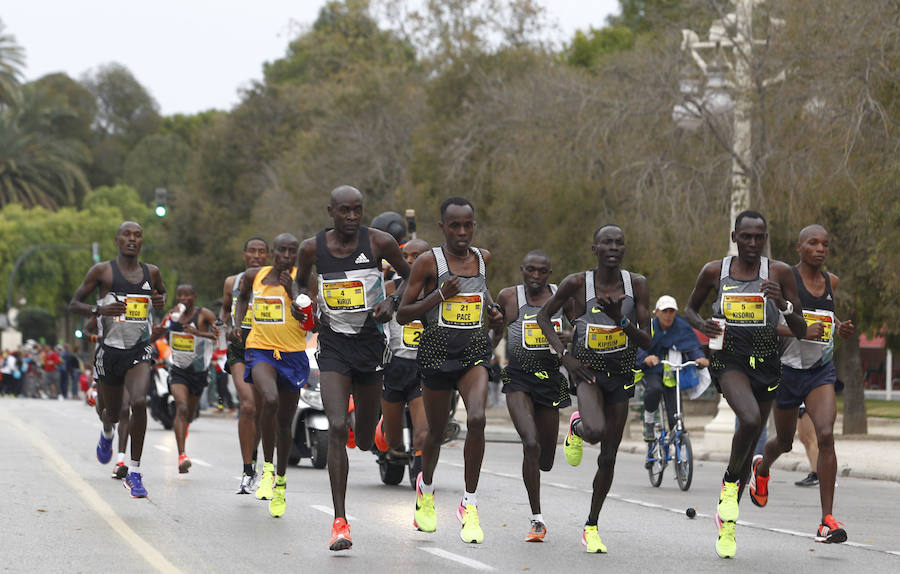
<point>679,366</point>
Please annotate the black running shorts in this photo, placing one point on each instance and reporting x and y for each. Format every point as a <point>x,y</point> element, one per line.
<point>401,381</point>
<point>550,389</point>
<point>616,389</point>
<point>763,373</point>
<point>194,381</point>
<point>112,364</point>
<point>348,355</point>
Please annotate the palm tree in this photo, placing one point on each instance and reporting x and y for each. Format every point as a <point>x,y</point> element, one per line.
<point>37,168</point>
<point>12,60</point>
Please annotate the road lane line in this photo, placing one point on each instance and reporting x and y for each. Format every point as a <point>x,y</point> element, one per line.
<point>201,462</point>
<point>90,496</point>
<point>329,511</point>
<point>679,511</point>
<point>459,559</point>
<point>162,448</point>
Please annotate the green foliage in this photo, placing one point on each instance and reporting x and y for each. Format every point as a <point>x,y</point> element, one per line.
<point>159,160</point>
<point>37,324</point>
<point>12,60</point>
<point>587,49</point>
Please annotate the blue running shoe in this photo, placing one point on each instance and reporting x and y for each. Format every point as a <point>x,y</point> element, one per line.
<point>134,482</point>
<point>104,449</point>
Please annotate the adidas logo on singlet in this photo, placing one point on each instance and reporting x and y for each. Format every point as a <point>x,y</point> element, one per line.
<point>146,285</point>
<point>361,259</point>
<point>828,298</point>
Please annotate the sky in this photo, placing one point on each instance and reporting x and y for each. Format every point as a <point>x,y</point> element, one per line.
<point>192,55</point>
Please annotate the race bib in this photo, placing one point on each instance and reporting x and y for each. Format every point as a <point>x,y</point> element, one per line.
<point>181,342</point>
<point>605,339</point>
<point>461,311</point>
<point>412,332</point>
<point>248,318</point>
<point>268,310</point>
<point>824,317</point>
<point>137,308</point>
<point>344,295</point>
<point>533,338</point>
<point>744,309</point>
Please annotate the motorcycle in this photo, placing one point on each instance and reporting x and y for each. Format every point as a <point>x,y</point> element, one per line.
<point>161,404</point>
<point>310,425</point>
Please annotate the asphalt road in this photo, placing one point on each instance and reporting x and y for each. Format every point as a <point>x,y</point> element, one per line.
<point>62,513</point>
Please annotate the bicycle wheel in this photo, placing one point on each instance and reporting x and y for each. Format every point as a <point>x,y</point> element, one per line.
<point>656,462</point>
<point>684,462</point>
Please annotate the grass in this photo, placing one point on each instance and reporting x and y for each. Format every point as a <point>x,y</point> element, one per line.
<point>874,408</point>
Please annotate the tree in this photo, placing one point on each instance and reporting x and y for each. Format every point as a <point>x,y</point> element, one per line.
<point>12,60</point>
<point>159,160</point>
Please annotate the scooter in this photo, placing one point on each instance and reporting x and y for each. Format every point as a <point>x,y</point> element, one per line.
<point>160,402</point>
<point>310,423</point>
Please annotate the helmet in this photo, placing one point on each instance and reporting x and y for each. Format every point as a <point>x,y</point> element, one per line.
<point>391,222</point>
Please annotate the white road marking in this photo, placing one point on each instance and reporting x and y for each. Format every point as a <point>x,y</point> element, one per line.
<point>329,511</point>
<point>680,511</point>
<point>459,559</point>
<point>90,496</point>
<point>162,448</point>
<point>201,462</point>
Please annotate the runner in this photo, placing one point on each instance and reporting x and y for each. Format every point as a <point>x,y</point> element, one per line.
<point>669,332</point>
<point>276,360</point>
<point>255,254</point>
<point>192,338</point>
<point>752,292</point>
<point>612,319</point>
<point>351,310</point>
<point>126,290</point>
<point>454,353</point>
<point>808,375</point>
<point>535,389</point>
<point>402,384</point>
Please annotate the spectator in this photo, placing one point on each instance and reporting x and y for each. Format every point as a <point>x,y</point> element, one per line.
<point>50,362</point>
<point>69,371</point>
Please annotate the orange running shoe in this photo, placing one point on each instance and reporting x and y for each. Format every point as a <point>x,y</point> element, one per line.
<point>380,441</point>
<point>340,535</point>
<point>759,485</point>
<point>537,532</point>
<point>830,531</point>
<point>184,463</point>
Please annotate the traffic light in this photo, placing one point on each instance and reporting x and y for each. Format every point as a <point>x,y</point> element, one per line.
<point>79,333</point>
<point>162,201</point>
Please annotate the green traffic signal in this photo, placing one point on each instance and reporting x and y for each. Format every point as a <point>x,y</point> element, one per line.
<point>79,333</point>
<point>160,211</point>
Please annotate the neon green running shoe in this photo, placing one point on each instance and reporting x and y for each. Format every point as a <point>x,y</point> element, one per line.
<point>264,490</point>
<point>574,448</point>
<point>590,539</point>
<point>471,527</point>
<point>425,518</point>
<point>278,504</point>
<point>726,547</point>
<point>728,502</point>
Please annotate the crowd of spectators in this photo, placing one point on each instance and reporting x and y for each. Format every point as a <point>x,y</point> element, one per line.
<point>41,372</point>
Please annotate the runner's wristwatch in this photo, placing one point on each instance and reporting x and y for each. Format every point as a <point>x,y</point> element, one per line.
<point>787,310</point>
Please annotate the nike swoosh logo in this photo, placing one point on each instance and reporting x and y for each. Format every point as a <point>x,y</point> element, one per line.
<point>626,387</point>
<point>773,388</point>
<point>531,316</point>
<point>596,310</point>
<point>729,287</point>
<point>556,403</point>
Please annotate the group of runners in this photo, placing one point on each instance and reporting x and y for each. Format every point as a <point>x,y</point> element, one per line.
<point>431,331</point>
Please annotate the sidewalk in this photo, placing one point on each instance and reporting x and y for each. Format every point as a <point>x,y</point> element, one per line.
<point>873,456</point>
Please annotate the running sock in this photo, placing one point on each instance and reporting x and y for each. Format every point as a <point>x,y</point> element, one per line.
<point>730,477</point>
<point>426,488</point>
<point>120,457</point>
<point>134,466</point>
<point>576,427</point>
<point>248,469</point>
<point>470,498</point>
<point>109,433</point>
<point>280,480</point>
<point>590,522</point>
<point>537,518</point>
<point>649,417</point>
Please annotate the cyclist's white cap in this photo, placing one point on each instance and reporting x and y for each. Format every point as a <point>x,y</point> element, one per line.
<point>666,302</point>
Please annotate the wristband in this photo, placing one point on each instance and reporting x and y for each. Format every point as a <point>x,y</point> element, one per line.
<point>441,293</point>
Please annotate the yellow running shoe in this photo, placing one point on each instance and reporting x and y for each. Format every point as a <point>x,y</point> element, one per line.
<point>278,505</point>
<point>574,448</point>
<point>590,539</point>
<point>264,490</point>
<point>728,502</point>
<point>471,527</point>
<point>425,518</point>
<point>726,547</point>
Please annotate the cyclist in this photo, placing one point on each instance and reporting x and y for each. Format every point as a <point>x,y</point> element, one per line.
<point>669,331</point>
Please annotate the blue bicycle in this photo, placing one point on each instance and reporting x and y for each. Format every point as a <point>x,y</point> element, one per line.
<point>674,445</point>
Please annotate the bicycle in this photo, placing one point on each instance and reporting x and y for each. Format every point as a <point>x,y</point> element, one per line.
<point>658,453</point>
